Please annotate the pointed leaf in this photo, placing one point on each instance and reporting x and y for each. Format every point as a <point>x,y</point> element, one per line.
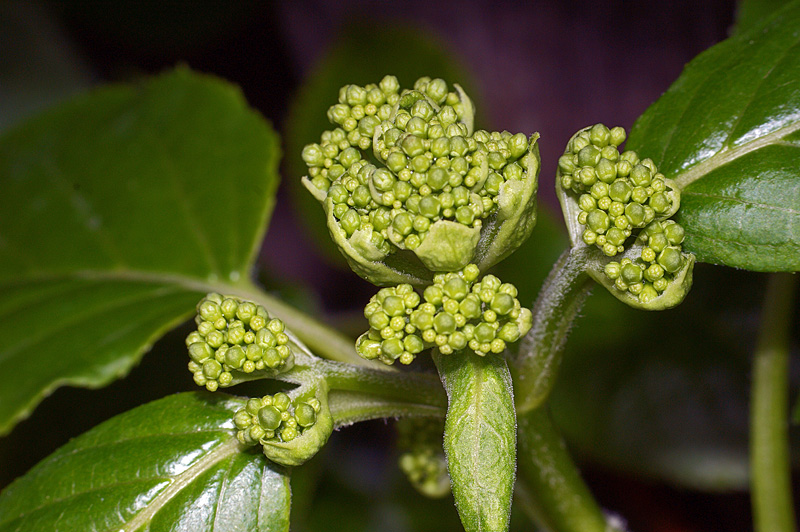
<point>480,438</point>
<point>728,133</point>
<point>173,464</point>
<point>119,210</point>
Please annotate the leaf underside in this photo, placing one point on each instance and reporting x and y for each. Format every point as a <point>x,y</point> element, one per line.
<point>728,133</point>
<point>119,210</point>
<point>480,438</point>
<point>173,464</point>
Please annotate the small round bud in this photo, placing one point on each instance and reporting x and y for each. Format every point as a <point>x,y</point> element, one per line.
<point>306,415</point>
<point>269,417</point>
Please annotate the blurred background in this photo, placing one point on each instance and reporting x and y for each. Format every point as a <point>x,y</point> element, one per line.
<point>662,433</point>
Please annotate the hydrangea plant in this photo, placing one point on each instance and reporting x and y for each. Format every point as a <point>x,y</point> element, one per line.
<point>425,207</point>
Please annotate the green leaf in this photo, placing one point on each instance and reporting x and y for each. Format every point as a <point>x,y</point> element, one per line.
<point>479,438</point>
<point>120,209</point>
<point>727,133</point>
<point>405,52</point>
<point>173,464</point>
<point>751,12</point>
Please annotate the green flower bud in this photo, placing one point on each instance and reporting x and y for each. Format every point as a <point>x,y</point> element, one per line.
<point>599,135</point>
<point>269,417</point>
<point>236,341</point>
<point>306,415</point>
<point>485,186</point>
<point>670,259</point>
<point>631,199</point>
<point>290,429</point>
<point>421,456</point>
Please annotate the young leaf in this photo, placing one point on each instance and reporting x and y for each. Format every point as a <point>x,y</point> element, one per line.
<point>727,133</point>
<point>173,464</point>
<point>119,210</point>
<point>479,438</point>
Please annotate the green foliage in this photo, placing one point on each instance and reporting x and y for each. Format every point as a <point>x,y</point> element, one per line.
<point>161,192</point>
<point>120,210</point>
<point>725,133</point>
<point>173,464</point>
<point>479,438</point>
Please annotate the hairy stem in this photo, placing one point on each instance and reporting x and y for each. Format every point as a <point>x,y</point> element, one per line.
<point>401,386</point>
<point>549,485</point>
<point>536,364</point>
<point>352,407</point>
<point>769,416</point>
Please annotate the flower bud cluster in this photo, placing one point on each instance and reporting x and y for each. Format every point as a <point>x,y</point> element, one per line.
<point>275,418</point>
<point>618,193</point>
<point>661,258</point>
<point>234,336</point>
<point>454,313</point>
<point>431,165</point>
<point>357,113</point>
<point>422,458</point>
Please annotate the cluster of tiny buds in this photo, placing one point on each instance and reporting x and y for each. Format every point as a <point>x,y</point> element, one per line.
<point>234,336</point>
<point>432,167</point>
<point>619,193</point>
<point>661,258</point>
<point>426,469</point>
<point>454,313</point>
<point>422,458</point>
<point>275,418</point>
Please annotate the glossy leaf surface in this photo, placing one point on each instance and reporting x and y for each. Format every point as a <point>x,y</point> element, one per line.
<point>120,209</point>
<point>479,438</point>
<point>173,464</point>
<point>728,133</point>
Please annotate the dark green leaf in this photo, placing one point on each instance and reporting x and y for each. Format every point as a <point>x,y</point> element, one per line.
<point>173,464</point>
<point>479,438</point>
<point>120,209</point>
<point>727,133</point>
<point>403,52</point>
<point>751,12</point>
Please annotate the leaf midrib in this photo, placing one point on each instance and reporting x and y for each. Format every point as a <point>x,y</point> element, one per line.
<point>177,483</point>
<point>728,154</point>
<point>732,199</point>
<point>300,325</point>
<point>180,482</point>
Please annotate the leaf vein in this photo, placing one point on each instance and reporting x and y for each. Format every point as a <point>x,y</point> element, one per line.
<point>744,201</point>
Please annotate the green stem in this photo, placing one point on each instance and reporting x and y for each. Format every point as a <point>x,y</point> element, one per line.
<point>398,386</point>
<point>769,440</point>
<point>352,407</point>
<point>536,365</point>
<point>549,485</point>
